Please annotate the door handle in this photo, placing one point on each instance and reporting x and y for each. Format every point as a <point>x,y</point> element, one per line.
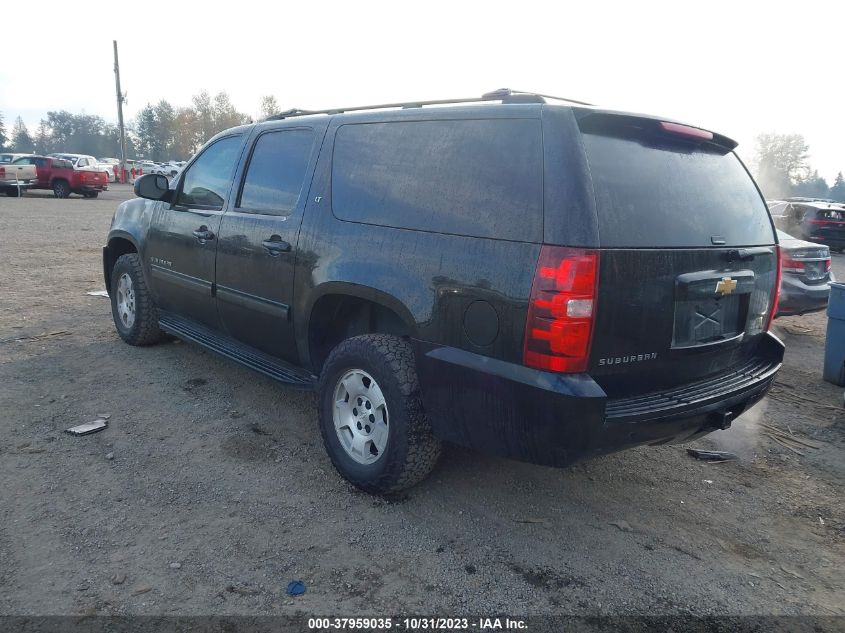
<point>203,234</point>
<point>276,245</point>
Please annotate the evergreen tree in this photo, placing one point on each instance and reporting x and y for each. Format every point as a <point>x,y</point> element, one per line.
<point>3,138</point>
<point>837,191</point>
<point>22,142</point>
<point>146,131</point>
<point>43,141</point>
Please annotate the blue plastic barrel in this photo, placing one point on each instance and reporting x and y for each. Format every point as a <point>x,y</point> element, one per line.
<point>834,348</point>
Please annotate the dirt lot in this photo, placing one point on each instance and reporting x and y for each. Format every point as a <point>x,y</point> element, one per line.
<point>210,489</point>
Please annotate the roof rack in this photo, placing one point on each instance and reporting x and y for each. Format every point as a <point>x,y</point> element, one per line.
<point>505,95</point>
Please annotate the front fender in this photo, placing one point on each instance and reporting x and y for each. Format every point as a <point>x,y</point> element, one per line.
<point>130,223</point>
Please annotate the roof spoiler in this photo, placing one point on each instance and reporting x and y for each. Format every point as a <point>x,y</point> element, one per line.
<point>623,123</point>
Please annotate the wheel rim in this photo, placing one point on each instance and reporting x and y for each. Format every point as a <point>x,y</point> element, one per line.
<point>360,416</point>
<point>126,301</point>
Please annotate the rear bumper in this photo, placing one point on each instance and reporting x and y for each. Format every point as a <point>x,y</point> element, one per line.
<point>89,188</point>
<point>799,298</point>
<point>556,419</point>
<point>12,184</point>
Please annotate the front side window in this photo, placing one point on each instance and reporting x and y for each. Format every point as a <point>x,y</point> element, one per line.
<point>207,181</point>
<point>276,173</point>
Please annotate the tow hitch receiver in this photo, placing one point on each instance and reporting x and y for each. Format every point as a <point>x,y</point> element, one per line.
<point>720,420</point>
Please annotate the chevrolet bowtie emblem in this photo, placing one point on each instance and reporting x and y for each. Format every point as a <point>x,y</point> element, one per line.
<point>726,286</point>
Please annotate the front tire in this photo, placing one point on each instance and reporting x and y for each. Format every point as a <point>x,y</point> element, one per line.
<point>133,310</point>
<point>371,416</point>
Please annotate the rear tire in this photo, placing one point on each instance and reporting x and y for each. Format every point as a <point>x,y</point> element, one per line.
<point>133,310</point>
<point>91,194</point>
<point>13,192</point>
<point>61,189</point>
<point>387,444</point>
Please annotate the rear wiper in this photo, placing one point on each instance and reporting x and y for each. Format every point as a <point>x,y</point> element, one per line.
<point>747,254</point>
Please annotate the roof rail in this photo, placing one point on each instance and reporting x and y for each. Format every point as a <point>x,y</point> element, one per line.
<point>505,95</point>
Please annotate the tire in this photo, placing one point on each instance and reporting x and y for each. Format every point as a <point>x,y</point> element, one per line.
<point>409,450</point>
<point>13,192</point>
<point>61,189</point>
<point>91,194</point>
<point>133,310</point>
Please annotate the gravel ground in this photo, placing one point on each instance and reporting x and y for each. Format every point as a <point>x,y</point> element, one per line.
<point>210,490</point>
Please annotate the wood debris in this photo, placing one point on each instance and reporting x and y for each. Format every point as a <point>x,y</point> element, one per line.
<point>789,440</point>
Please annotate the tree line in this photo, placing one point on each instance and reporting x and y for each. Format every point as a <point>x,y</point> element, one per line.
<point>782,169</point>
<point>159,132</point>
<point>163,131</point>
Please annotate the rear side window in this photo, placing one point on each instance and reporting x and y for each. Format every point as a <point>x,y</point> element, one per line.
<point>481,178</point>
<point>651,194</point>
<point>276,172</point>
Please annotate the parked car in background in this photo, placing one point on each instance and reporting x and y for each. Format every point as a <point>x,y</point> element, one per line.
<point>113,165</point>
<point>59,175</point>
<point>550,303</point>
<point>16,178</point>
<point>9,157</point>
<point>172,168</point>
<point>86,161</point>
<point>806,278</point>
<point>811,220</point>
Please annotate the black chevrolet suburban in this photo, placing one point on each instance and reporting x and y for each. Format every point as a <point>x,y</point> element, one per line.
<point>537,280</point>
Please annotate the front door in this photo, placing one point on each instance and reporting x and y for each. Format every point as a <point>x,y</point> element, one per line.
<point>182,239</point>
<point>256,252</point>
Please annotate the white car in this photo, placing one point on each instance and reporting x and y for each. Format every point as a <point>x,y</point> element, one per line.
<point>172,168</point>
<point>110,163</point>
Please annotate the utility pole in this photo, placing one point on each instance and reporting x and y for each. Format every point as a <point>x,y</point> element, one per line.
<point>120,99</point>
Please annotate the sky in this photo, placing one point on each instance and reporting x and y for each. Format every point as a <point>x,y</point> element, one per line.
<point>740,68</point>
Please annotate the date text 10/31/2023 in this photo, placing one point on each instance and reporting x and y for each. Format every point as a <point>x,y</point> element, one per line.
<point>416,624</point>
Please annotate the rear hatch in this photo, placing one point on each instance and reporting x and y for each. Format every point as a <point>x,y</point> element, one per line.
<point>688,261</point>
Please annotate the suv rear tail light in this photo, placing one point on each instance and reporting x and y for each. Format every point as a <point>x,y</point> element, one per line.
<point>561,311</point>
<point>776,296</point>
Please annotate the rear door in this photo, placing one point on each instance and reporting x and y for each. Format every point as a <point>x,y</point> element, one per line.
<point>182,238</point>
<point>688,259</point>
<point>256,252</point>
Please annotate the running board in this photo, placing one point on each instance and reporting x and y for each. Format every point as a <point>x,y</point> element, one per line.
<point>238,352</point>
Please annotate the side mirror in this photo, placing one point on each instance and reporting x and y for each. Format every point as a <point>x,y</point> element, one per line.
<point>152,187</point>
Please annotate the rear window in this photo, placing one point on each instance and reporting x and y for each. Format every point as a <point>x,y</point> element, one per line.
<point>831,214</point>
<point>481,178</point>
<point>651,194</point>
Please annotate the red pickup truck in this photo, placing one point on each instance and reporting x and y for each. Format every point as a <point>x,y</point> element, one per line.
<point>59,175</point>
